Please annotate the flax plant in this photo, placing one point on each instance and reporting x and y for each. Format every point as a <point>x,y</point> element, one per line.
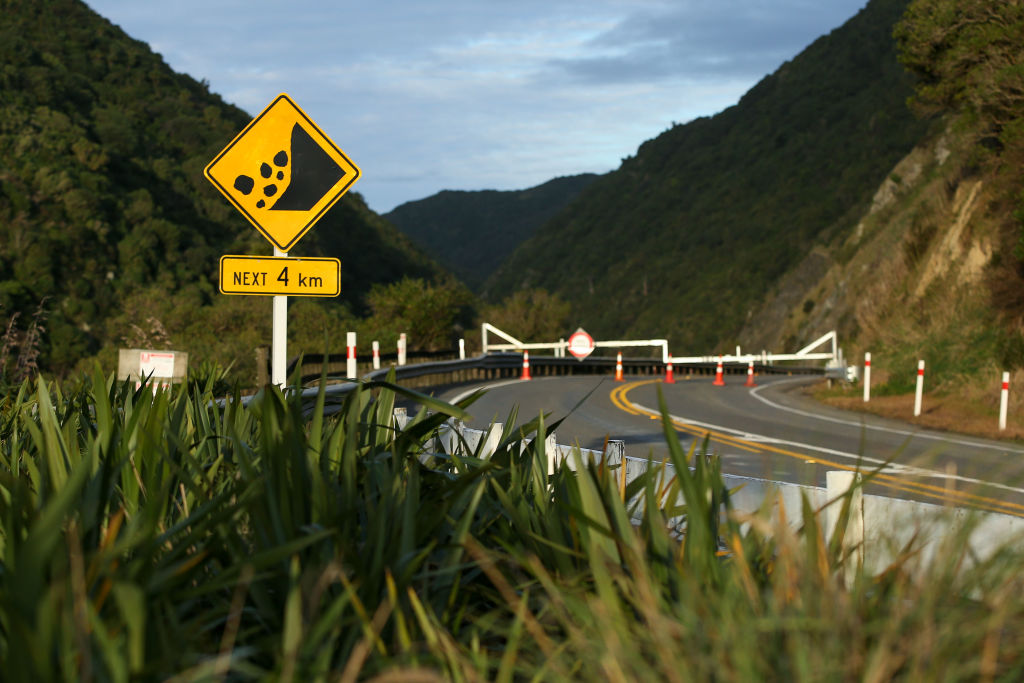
<point>168,536</point>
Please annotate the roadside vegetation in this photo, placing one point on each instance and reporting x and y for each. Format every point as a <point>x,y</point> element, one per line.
<point>968,59</point>
<point>170,537</point>
<point>686,238</point>
<point>472,232</point>
<point>949,289</point>
<point>106,220</point>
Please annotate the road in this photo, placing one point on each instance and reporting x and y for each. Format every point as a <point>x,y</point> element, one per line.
<point>772,431</point>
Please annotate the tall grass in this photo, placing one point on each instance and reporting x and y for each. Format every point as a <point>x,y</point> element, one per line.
<point>166,536</point>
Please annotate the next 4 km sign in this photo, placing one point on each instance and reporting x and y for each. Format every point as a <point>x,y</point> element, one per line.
<point>277,276</point>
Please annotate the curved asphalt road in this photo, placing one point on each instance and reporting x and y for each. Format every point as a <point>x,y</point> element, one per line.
<point>770,432</point>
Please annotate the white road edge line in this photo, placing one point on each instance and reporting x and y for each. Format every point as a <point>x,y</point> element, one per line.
<point>902,432</point>
<point>755,438</point>
<point>495,385</point>
<point>890,468</point>
<point>470,392</point>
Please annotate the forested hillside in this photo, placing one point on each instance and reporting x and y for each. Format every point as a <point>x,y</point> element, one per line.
<point>472,233</point>
<point>934,269</point>
<point>687,236</point>
<point>107,226</point>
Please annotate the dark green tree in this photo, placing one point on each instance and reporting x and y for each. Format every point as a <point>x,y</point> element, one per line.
<point>531,315</point>
<point>433,314</point>
<point>968,55</point>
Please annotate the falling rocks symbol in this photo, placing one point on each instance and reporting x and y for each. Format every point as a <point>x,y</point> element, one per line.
<point>313,174</point>
<point>282,173</point>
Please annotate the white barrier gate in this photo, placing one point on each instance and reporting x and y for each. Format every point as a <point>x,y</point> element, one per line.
<point>558,348</point>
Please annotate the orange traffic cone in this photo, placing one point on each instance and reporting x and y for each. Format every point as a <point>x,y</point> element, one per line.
<point>719,375</point>
<point>669,379</point>
<point>618,367</point>
<point>526,365</point>
<point>750,375</point>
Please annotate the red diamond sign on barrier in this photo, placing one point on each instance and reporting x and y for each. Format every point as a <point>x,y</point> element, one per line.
<point>581,344</point>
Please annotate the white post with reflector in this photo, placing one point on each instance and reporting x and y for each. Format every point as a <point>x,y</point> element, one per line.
<point>376,355</point>
<point>279,337</point>
<point>867,376</point>
<point>401,348</point>
<point>920,388</point>
<point>350,366</point>
<point>462,349</point>
<point>1004,399</point>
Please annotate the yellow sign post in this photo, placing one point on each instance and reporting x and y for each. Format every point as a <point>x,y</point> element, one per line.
<point>280,276</point>
<point>282,172</point>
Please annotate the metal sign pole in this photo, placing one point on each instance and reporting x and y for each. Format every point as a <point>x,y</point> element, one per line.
<point>279,362</point>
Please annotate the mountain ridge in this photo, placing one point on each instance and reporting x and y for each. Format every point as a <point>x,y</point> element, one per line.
<point>700,221</point>
<point>471,232</point>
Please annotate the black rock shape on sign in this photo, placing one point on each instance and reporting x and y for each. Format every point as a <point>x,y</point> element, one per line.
<point>313,174</point>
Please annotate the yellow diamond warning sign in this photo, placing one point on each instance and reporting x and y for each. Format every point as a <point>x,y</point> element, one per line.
<point>282,172</point>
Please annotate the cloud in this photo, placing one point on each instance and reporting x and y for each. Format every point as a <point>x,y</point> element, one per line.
<point>473,94</point>
<point>702,40</point>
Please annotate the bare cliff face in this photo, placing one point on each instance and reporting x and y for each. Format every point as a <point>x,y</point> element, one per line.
<point>916,257</point>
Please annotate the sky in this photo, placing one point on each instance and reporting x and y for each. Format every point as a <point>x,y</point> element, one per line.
<point>480,94</point>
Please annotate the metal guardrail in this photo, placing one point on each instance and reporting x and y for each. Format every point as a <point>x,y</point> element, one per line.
<point>497,366</point>
<point>503,361</point>
<point>312,364</point>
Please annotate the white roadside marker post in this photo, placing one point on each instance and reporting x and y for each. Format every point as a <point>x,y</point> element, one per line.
<point>867,376</point>
<point>1004,400</point>
<point>279,350</point>
<point>350,364</point>
<point>920,388</point>
<point>376,355</point>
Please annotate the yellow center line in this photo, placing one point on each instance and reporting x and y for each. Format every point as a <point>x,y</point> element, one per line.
<point>620,400</point>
